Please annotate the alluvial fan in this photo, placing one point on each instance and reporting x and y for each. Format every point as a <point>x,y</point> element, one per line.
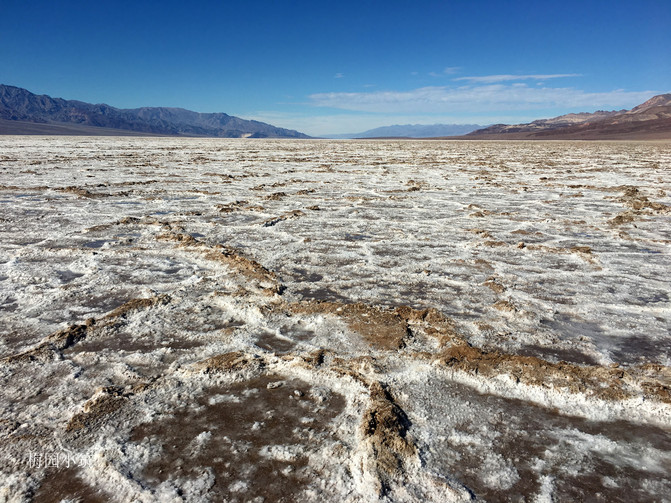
<point>281,320</point>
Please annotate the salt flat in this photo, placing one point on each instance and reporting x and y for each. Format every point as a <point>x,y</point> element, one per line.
<point>336,320</point>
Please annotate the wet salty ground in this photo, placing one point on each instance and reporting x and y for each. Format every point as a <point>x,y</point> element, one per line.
<point>291,320</point>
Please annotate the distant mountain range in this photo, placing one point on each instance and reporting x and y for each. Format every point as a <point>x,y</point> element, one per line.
<point>22,112</point>
<point>413,131</point>
<point>650,120</point>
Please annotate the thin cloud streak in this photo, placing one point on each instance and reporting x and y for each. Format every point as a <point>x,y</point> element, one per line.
<point>491,79</point>
<point>478,99</point>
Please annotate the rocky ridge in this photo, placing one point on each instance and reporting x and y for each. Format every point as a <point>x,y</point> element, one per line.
<point>649,120</point>
<point>19,109</point>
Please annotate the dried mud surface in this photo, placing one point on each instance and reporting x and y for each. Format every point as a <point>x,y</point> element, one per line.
<point>232,320</point>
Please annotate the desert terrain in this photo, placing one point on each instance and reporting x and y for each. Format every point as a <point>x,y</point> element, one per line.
<point>313,320</point>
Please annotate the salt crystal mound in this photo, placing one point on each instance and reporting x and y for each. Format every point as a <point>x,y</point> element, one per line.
<point>341,321</point>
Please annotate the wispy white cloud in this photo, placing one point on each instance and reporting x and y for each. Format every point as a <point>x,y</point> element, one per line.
<point>471,103</point>
<point>514,97</point>
<point>450,70</point>
<point>491,79</point>
<point>338,75</point>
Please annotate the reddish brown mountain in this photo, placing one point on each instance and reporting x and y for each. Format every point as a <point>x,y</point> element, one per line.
<point>649,121</point>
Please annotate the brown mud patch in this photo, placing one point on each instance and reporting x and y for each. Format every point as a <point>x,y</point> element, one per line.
<point>79,191</point>
<point>385,429</point>
<point>66,484</point>
<point>320,294</point>
<point>285,341</point>
<point>276,196</point>
<point>607,383</point>
<point>136,305</point>
<point>558,354</point>
<point>267,281</point>
<point>638,205</point>
<point>291,215</point>
<point>228,362</point>
<point>255,437</point>
<point>122,340</point>
<point>384,328</point>
<point>63,339</point>
<point>240,205</point>
<point>529,438</point>
<point>381,328</point>
<point>105,402</point>
<point>52,344</point>
<point>95,411</point>
<point>494,285</point>
<point>391,329</point>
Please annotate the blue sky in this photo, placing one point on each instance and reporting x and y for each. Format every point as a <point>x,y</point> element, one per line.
<point>343,67</point>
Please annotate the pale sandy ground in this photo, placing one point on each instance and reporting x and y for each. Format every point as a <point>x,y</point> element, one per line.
<point>257,320</point>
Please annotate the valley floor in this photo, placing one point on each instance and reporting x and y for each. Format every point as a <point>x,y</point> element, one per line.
<point>279,320</point>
